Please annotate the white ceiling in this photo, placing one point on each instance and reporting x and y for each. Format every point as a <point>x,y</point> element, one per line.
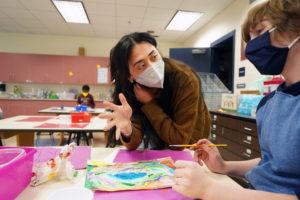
<point>108,18</point>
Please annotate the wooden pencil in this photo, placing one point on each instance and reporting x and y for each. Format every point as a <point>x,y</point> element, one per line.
<point>194,145</point>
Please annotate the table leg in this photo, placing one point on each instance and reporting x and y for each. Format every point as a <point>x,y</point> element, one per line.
<point>61,138</point>
<point>25,139</point>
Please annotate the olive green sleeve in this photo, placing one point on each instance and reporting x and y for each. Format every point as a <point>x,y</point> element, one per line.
<point>180,128</point>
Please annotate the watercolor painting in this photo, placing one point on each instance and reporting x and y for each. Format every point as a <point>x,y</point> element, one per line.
<point>140,175</point>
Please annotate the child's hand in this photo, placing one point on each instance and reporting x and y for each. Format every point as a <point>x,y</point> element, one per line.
<point>191,180</point>
<point>120,117</point>
<point>210,156</point>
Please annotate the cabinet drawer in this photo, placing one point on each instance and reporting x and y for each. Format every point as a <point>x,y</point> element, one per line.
<point>220,120</point>
<point>228,155</point>
<point>239,150</point>
<point>216,128</point>
<point>244,139</point>
<point>235,124</point>
<point>249,128</point>
<point>242,181</point>
<point>226,122</point>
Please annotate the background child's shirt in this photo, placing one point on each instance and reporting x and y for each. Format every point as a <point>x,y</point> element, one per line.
<point>86,100</point>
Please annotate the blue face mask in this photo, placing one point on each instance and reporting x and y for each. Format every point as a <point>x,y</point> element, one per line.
<point>268,59</point>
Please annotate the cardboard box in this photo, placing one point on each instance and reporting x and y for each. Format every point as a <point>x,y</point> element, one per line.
<point>229,102</point>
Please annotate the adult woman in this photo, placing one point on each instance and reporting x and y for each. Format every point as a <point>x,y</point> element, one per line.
<point>272,31</point>
<point>160,100</point>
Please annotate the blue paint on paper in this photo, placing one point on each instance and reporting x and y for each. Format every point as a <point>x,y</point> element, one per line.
<point>127,175</point>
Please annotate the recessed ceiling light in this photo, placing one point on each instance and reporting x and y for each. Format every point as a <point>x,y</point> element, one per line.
<point>183,20</point>
<point>71,11</point>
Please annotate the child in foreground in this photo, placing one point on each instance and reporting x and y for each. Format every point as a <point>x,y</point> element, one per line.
<point>271,31</point>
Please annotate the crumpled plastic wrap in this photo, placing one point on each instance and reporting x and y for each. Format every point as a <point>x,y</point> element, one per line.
<point>56,168</point>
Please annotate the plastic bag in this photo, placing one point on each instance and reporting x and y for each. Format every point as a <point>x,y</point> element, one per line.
<point>59,167</point>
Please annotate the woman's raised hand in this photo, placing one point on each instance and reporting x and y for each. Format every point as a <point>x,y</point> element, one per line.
<point>119,117</point>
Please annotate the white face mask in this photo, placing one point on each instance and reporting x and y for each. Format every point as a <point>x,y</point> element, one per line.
<point>153,76</point>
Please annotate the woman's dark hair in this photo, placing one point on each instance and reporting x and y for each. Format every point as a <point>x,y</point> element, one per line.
<point>119,57</point>
<point>86,87</point>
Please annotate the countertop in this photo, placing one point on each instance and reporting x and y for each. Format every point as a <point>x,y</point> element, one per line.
<point>235,115</point>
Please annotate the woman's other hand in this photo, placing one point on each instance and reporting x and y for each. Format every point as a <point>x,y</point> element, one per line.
<point>142,94</point>
<point>119,117</point>
<point>210,156</point>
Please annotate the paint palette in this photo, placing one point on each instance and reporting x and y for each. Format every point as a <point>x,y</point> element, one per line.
<point>140,175</point>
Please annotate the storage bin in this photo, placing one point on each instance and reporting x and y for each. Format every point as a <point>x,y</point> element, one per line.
<point>15,173</point>
<point>212,88</point>
<point>272,84</point>
<point>8,156</point>
<point>82,117</point>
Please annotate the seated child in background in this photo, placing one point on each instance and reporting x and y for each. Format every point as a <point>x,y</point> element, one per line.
<point>85,98</point>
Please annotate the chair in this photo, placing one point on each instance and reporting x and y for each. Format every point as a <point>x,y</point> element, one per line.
<point>78,137</point>
<point>38,134</point>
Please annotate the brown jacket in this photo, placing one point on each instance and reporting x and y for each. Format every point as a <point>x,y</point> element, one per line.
<point>191,119</point>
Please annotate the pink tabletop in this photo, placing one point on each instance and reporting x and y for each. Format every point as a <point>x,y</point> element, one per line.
<point>79,156</point>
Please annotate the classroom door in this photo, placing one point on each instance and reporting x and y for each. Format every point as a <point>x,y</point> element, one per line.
<point>198,58</point>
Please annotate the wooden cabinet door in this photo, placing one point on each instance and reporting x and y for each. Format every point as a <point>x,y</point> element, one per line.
<point>20,67</point>
<point>37,68</point>
<point>54,69</point>
<point>89,69</point>
<point>6,67</point>
<point>46,69</point>
<point>71,71</point>
<point>5,106</point>
<point>16,108</point>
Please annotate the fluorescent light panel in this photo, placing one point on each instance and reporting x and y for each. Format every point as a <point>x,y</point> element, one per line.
<point>183,20</point>
<point>72,11</point>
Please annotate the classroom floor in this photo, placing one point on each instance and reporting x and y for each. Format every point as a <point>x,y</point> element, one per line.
<point>45,140</point>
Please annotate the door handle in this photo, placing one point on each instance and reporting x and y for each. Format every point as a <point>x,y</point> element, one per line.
<point>246,141</point>
<point>247,129</point>
<point>247,155</point>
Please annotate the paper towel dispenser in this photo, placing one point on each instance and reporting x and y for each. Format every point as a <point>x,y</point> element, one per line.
<point>2,87</point>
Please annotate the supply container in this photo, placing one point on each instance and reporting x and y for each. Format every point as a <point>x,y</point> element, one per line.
<point>84,108</point>
<point>229,102</point>
<point>8,156</point>
<point>212,89</point>
<point>78,108</point>
<point>272,84</point>
<point>82,117</point>
<point>248,104</point>
<point>15,170</point>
